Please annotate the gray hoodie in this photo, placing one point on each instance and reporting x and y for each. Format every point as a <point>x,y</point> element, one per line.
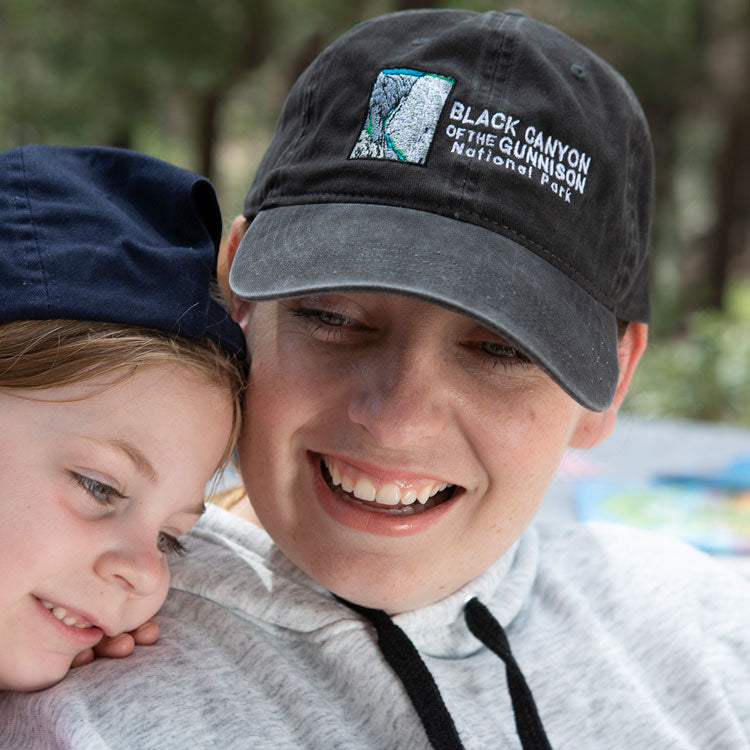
<point>627,640</point>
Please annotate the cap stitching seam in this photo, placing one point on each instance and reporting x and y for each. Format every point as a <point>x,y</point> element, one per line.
<point>201,287</point>
<point>627,257</point>
<point>638,146</point>
<point>498,55</point>
<point>35,234</point>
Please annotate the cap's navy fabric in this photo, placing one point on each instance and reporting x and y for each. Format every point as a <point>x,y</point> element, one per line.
<point>93,233</point>
<point>485,162</point>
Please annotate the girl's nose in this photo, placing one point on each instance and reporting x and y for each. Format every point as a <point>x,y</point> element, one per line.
<point>137,566</point>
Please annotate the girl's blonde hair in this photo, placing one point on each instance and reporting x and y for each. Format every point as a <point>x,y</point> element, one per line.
<point>39,354</point>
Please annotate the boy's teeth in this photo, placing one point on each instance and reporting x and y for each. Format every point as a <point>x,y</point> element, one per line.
<point>424,494</point>
<point>364,489</point>
<point>346,484</point>
<point>409,497</point>
<point>387,494</point>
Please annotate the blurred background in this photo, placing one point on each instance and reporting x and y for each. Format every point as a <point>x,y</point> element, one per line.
<point>201,82</point>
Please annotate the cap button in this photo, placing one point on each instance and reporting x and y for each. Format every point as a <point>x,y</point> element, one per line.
<point>578,70</point>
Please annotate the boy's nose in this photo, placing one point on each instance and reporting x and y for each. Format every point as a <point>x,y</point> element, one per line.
<point>398,400</point>
<point>135,565</point>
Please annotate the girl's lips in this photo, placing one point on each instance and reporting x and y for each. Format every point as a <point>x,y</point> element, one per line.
<point>85,637</point>
<point>374,519</point>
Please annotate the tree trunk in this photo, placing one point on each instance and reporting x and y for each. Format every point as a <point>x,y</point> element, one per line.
<point>207,131</point>
<point>732,200</point>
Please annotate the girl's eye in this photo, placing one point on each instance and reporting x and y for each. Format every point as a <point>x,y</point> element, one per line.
<point>170,545</point>
<point>103,494</point>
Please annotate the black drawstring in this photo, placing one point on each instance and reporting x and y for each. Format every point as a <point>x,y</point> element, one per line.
<point>406,662</point>
<point>420,685</point>
<point>528,724</point>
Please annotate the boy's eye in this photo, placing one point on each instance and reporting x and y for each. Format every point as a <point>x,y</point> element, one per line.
<point>503,353</point>
<point>329,326</point>
<point>325,317</point>
<point>101,493</point>
<point>498,350</point>
<point>332,319</point>
<point>170,545</point>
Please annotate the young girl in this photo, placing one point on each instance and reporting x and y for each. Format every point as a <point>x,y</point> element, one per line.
<point>119,395</point>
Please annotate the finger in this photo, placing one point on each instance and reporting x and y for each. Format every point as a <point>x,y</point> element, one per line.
<point>84,657</point>
<point>115,648</point>
<point>146,634</point>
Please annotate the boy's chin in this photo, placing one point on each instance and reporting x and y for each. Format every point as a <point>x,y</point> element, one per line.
<point>392,600</point>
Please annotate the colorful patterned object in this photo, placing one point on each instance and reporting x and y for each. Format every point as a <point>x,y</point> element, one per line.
<point>711,512</point>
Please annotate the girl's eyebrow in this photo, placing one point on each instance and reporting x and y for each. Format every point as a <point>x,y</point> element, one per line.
<point>136,456</point>
<point>195,510</point>
<point>144,466</point>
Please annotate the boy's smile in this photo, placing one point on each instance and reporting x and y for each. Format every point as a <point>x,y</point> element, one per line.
<point>358,497</point>
<point>394,449</point>
<point>397,495</point>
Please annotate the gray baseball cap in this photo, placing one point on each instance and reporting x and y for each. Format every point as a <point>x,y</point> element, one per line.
<point>487,163</point>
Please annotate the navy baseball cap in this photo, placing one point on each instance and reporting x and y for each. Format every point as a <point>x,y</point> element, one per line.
<point>94,233</point>
<point>485,162</point>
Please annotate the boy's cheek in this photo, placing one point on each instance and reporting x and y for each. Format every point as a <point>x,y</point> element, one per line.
<point>593,428</point>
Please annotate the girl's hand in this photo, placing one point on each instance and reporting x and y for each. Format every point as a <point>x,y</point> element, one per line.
<point>120,645</point>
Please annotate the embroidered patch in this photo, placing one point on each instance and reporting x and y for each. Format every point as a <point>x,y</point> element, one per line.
<point>405,106</point>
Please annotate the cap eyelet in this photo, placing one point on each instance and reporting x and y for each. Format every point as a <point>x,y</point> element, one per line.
<point>578,70</point>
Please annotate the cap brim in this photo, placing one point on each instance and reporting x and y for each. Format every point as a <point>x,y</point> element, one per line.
<point>296,250</point>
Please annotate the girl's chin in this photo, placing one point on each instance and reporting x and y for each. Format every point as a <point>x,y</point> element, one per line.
<point>40,681</point>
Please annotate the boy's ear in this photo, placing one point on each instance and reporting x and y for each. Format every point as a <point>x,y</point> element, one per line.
<point>593,427</point>
<point>227,251</point>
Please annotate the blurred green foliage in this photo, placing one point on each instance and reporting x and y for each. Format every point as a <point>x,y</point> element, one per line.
<point>201,82</point>
<point>703,372</point>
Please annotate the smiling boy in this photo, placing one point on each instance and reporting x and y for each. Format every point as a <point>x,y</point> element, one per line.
<point>441,272</point>
<point>395,449</point>
<point>447,321</point>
